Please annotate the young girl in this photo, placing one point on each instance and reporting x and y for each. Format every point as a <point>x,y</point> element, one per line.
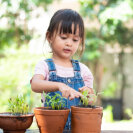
<point>61,74</point>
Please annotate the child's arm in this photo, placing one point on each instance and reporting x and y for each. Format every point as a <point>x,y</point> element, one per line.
<point>39,85</point>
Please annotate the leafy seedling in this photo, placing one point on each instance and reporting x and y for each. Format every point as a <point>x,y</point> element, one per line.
<point>89,99</point>
<point>56,102</point>
<point>17,105</point>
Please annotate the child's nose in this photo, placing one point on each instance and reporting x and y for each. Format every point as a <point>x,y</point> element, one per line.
<point>69,42</point>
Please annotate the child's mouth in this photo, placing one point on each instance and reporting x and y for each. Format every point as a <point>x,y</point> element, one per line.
<point>66,50</point>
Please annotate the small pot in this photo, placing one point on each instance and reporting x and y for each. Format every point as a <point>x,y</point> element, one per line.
<point>86,120</point>
<point>15,123</point>
<point>51,121</point>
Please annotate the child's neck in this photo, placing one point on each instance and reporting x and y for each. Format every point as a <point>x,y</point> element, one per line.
<point>62,62</point>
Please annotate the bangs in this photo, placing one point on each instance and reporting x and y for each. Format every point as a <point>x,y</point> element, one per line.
<point>66,27</point>
<point>63,20</point>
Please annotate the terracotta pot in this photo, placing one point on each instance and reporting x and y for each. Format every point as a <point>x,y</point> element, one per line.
<point>86,120</point>
<point>51,121</point>
<point>14,123</point>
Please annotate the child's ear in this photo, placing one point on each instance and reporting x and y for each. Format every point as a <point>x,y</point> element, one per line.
<point>48,37</point>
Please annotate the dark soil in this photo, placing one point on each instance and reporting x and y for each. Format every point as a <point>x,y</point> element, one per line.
<point>88,106</point>
<point>54,109</point>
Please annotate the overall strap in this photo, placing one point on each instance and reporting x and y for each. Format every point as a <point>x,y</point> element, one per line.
<point>76,68</point>
<point>51,65</point>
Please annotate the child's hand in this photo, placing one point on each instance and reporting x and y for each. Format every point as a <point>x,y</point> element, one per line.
<point>91,96</point>
<point>68,91</point>
<point>90,90</point>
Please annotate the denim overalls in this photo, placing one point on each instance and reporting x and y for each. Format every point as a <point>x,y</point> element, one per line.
<point>75,82</point>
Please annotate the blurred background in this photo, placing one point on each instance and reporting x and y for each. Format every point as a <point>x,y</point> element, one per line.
<point>108,53</point>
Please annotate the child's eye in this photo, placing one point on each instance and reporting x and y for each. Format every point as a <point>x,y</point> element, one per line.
<point>63,37</point>
<point>75,40</point>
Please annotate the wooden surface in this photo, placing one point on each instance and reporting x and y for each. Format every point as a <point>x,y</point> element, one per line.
<point>105,131</point>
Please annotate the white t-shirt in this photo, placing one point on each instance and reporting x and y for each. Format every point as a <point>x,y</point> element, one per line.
<point>42,68</point>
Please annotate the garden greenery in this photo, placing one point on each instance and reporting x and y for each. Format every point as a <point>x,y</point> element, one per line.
<point>17,105</point>
<point>56,102</point>
<point>89,99</point>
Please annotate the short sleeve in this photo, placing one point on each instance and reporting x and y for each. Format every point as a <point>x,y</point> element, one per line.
<point>42,68</point>
<point>86,75</point>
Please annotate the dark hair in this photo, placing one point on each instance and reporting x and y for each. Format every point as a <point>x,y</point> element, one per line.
<point>62,21</point>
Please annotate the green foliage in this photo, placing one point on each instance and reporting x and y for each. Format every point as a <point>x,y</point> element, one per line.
<point>87,7</point>
<point>108,114</point>
<point>108,23</point>
<point>56,102</point>
<point>16,70</point>
<point>89,99</point>
<point>94,46</point>
<point>128,113</point>
<point>18,105</point>
<point>85,99</point>
<point>110,90</point>
<point>43,3</point>
<point>16,15</point>
<point>111,19</point>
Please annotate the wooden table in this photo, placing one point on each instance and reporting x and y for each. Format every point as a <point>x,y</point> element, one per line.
<point>105,131</point>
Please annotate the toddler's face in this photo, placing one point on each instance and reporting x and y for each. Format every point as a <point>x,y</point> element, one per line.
<point>65,45</point>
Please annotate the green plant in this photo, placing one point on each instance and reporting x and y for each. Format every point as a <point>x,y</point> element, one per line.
<point>15,32</point>
<point>19,82</point>
<point>56,102</point>
<point>108,114</point>
<point>128,113</point>
<point>89,99</point>
<point>17,105</point>
<point>110,91</point>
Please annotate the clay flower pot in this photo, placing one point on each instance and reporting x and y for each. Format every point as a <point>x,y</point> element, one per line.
<point>51,121</point>
<point>86,120</point>
<point>15,123</point>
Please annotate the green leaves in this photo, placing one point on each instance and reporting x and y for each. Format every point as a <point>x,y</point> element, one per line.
<point>56,102</point>
<point>85,99</point>
<point>110,18</point>
<point>17,105</point>
<point>93,46</point>
<point>110,90</point>
<point>89,99</point>
<point>15,16</point>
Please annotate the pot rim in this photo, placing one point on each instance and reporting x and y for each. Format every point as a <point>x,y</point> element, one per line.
<point>47,109</point>
<point>6,114</point>
<point>98,109</point>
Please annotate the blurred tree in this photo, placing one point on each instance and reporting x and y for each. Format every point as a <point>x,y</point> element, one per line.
<point>16,14</point>
<point>112,18</point>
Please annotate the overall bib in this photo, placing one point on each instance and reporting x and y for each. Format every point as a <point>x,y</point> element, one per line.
<point>75,82</point>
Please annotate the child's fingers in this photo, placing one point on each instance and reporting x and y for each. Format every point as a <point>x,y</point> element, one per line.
<point>90,90</point>
<point>71,97</point>
<point>92,99</point>
<point>65,94</point>
<point>75,94</point>
<point>82,89</point>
